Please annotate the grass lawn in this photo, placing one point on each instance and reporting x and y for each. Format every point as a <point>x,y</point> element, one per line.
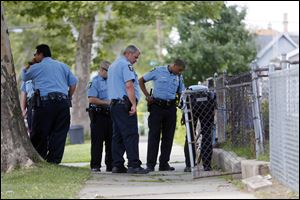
<point>77,152</point>
<point>44,181</point>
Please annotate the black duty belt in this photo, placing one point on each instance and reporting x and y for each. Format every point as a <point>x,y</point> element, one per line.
<point>99,109</point>
<point>164,103</point>
<point>118,101</point>
<point>54,96</point>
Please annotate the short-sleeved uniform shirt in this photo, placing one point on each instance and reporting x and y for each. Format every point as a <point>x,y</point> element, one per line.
<point>98,88</point>
<point>121,71</point>
<point>50,76</point>
<point>166,84</point>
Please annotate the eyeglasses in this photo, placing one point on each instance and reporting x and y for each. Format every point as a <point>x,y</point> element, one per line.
<point>104,69</point>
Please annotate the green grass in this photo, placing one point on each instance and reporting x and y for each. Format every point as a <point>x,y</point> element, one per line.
<point>44,181</point>
<point>180,132</point>
<point>246,152</point>
<point>77,152</point>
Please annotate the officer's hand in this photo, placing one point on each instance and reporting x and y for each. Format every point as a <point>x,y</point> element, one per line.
<point>149,100</point>
<point>33,61</point>
<point>132,110</point>
<point>182,121</point>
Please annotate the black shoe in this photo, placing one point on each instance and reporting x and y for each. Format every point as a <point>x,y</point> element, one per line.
<point>187,169</point>
<point>119,170</point>
<point>137,170</point>
<point>108,169</point>
<point>166,168</point>
<point>95,170</point>
<point>150,169</point>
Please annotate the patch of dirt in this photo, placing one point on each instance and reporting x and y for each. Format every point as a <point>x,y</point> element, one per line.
<point>276,191</point>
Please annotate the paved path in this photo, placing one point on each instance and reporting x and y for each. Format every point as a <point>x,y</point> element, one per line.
<point>171,185</point>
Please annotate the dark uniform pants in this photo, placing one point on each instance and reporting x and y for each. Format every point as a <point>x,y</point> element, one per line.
<point>101,131</point>
<point>125,137</point>
<point>206,116</point>
<point>161,120</point>
<point>50,125</point>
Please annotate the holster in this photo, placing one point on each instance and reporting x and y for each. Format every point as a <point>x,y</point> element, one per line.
<point>127,102</point>
<point>92,116</point>
<point>36,99</point>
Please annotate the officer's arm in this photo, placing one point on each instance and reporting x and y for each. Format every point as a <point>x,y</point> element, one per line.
<point>72,90</point>
<point>23,103</point>
<point>96,101</point>
<point>130,92</point>
<point>143,87</point>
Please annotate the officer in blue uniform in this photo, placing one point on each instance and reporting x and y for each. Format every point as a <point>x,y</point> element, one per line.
<point>123,91</point>
<point>54,86</point>
<point>27,91</point>
<point>101,124</point>
<point>168,82</point>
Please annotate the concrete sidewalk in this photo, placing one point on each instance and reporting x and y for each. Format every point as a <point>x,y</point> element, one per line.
<point>170,185</point>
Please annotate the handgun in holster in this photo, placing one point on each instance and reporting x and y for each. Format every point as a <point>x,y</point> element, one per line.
<point>149,105</point>
<point>127,102</point>
<point>91,113</point>
<point>36,99</point>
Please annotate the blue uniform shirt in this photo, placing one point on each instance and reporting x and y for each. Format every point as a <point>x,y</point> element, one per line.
<point>166,84</point>
<point>121,71</point>
<point>28,88</point>
<point>98,88</point>
<point>50,76</point>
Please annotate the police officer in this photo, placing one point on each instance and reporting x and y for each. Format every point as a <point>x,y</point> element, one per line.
<point>101,124</point>
<point>53,81</point>
<point>27,91</point>
<point>203,107</point>
<point>124,94</point>
<point>168,82</point>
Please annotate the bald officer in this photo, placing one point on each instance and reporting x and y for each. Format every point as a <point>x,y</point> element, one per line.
<point>54,85</point>
<point>124,94</point>
<point>168,82</point>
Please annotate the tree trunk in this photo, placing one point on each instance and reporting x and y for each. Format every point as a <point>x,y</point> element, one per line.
<point>82,71</point>
<point>16,148</point>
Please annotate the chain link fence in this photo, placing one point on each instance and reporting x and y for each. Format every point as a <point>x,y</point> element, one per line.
<point>284,125</point>
<point>199,112</point>
<point>246,116</point>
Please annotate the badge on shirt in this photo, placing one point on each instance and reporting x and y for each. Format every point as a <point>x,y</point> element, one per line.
<point>90,84</point>
<point>130,67</point>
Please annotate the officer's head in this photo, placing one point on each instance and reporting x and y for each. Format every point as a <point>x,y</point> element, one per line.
<point>132,53</point>
<point>42,51</point>
<point>178,67</point>
<point>104,65</point>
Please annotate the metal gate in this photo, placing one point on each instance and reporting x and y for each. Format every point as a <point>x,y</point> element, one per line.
<point>199,106</point>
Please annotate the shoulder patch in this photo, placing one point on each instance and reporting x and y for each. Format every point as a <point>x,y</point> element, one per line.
<point>130,67</point>
<point>90,84</point>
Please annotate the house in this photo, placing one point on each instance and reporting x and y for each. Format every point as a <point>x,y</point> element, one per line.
<point>270,44</point>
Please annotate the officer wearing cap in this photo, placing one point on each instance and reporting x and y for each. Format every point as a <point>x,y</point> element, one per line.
<point>123,91</point>
<point>168,82</point>
<point>27,91</point>
<point>54,86</point>
<point>101,124</point>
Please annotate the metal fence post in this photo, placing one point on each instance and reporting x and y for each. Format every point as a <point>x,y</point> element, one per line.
<point>224,105</point>
<point>256,112</point>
